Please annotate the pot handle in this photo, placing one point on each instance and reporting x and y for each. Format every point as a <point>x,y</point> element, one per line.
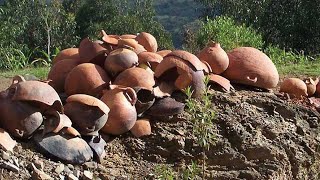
<point>253,80</point>
<point>17,79</point>
<point>131,95</point>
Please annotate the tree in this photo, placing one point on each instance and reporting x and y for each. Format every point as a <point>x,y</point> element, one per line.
<point>291,24</point>
<point>120,17</point>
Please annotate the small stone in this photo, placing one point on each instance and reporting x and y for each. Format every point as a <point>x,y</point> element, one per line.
<point>9,166</point>
<point>39,175</point>
<point>38,163</point>
<point>76,173</point>
<point>67,170</point>
<point>59,169</point>
<point>72,177</point>
<point>90,165</point>
<point>6,142</point>
<point>70,166</point>
<point>87,175</point>
<point>61,177</point>
<point>5,156</point>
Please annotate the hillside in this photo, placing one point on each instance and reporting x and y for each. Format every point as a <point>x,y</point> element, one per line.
<point>175,15</point>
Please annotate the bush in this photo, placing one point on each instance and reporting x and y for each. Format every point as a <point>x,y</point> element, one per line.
<point>225,31</point>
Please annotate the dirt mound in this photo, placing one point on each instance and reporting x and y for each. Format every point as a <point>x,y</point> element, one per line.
<point>259,136</point>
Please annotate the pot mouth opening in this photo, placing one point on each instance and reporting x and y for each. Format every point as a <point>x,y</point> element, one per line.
<point>145,95</point>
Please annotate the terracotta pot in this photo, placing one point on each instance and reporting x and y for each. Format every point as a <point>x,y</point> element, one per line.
<point>90,51</point>
<point>88,79</point>
<point>145,99</point>
<point>318,89</point>
<point>131,44</point>
<point>113,40</point>
<point>55,121</point>
<point>135,77</point>
<point>183,69</point>
<point>163,53</point>
<point>20,119</point>
<point>123,115</point>
<point>252,67</point>
<point>216,57</point>
<point>88,114</point>
<point>148,41</point>
<point>128,36</point>
<point>150,58</point>
<point>141,128</point>
<point>311,85</point>
<point>38,93</point>
<point>70,53</point>
<point>120,60</point>
<point>294,87</point>
<point>59,72</point>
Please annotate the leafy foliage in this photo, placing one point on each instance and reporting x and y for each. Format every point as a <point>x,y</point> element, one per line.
<point>121,17</point>
<point>291,24</point>
<point>225,31</point>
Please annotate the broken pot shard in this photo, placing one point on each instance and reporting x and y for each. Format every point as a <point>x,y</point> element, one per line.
<point>221,81</point>
<point>165,107</point>
<point>55,121</point>
<point>97,144</point>
<point>148,41</point>
<point>39,93</point>
<point>108,39</point>
<point>311,85</point>
<point>6,142</point>
<point>145,99</point>
<point>141,128</point>
<point>64,147</point>
<point>87,113</point>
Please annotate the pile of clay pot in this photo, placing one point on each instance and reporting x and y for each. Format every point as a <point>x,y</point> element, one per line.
<point>116,85</point>
<point>303,88</point>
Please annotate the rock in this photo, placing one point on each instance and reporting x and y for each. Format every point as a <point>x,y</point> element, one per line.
<point>6,142</point>
<point>9,166</point>
<point>87,175</point>
<point>39,175</point>
<point>38,163</point>
<point>67,170</point>
<point>90,165</point>
<point>72,177</point>
<point>70,166</point>
<point>76,173</point>
<point>5,156</point>
<point>59,169</point>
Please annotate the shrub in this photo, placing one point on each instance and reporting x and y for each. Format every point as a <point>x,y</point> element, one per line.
<point>225,31</point>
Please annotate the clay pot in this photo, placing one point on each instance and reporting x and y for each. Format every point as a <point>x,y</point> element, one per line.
<point>145,99</point>
<point>88,79</point>
<point>55,122</point>
<point>120,60</point>
<point>123,115</point>
<point>182,69</point>
<point>70,53</point>
<point>131,44</point>
<point>311,85</point>
<point>88,114</point>
<point>294,87</point>
<point>90,51</point>
<point>318,89</point>
<point>150,58</point>
<point>97,144</point>
<point>135,77</point>
<point>163,53</point>
<point>148,41</point>
<point>59,72</point>
<point>113,40</point>
<point>20,119</point>
<point>215,56</point>
<point>252,67</point>
<point>38,93</point>
<point>141,128</point>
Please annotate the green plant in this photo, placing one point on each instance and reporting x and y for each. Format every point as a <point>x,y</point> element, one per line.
<point>225,31</point>
<point>202,115</point>
<point>165,172</point>
<point>13,58</point>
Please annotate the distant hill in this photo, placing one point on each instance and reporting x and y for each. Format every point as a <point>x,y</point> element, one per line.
<point>174,15</point>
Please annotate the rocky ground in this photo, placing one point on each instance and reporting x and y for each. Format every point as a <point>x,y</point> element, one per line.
<point>260,135</point>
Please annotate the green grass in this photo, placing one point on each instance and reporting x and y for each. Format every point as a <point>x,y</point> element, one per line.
<point>40,72</point>
<point>307,69</point>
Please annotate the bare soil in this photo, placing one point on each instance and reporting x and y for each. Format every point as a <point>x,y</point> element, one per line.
<point>260,135</point>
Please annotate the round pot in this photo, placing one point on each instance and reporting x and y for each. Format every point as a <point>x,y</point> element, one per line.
<point>294,87</point>
<point>148,41</point>
<point>70,53</point>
